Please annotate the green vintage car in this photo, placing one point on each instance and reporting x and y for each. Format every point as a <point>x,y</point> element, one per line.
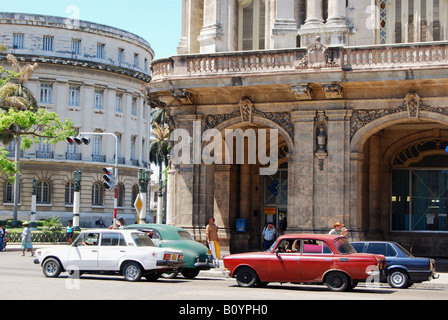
<point>197,257</point>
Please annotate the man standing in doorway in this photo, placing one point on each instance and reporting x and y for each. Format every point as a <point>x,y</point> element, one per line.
<point>212,239</point>
<point>268,235</point>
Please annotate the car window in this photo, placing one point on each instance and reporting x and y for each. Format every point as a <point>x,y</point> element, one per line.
<point>406,252</point>
<point>112,239</point>
<point>344,246</point>
<point>358,246</point>
<point>142,240</point>
<point>153,234</point>
<point>315,247</point>
<point>185,235</point>
<point>87,239</point>
<point>382,248</point>
<point>289,246</point>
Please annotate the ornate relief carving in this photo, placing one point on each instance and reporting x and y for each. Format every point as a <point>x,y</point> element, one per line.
<point>333,90</point>
<point>412,105</point>
<point>302,91</point>
<point>247,111</point>
<point>318,56</point>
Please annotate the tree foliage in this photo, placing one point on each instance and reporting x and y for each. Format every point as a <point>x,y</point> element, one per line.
<point>21,116</point>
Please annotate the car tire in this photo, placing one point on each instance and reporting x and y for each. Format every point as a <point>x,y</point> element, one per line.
<point>398,279</point>
<point>337,281</point>
<point>170,275</point>
<point>153,276</point>
<point>246,277</point>
<point>190,273</point>
<point>52,268</point>
<point>132,271</point>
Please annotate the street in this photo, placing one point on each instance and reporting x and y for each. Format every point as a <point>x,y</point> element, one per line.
<point>21,279</point>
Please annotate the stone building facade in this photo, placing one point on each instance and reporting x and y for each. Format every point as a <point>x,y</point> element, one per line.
<point>91,74</point>
<point>356,91</point>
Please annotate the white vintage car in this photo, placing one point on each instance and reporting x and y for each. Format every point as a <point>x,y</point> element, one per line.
<point>127,252</point>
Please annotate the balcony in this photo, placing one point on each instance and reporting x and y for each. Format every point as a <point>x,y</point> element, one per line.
<point>302,60</point>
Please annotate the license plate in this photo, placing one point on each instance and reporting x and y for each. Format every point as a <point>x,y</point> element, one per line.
<point>174,257</point>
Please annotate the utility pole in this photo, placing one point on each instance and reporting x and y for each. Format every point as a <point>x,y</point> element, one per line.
<point>77,175</point>
<point>33,224</point>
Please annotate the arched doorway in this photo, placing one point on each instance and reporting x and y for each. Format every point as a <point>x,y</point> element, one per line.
<point>241,187</point>
<point>402,179</point>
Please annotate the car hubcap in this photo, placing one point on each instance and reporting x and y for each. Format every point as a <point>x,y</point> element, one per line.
<point>50,268</point>
<point>397,278</point>
<point>132,272</point>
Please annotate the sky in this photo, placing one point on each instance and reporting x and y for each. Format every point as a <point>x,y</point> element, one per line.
<point>156,21</point>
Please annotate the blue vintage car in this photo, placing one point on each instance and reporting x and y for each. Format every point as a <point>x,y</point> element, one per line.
<point>402,268</point>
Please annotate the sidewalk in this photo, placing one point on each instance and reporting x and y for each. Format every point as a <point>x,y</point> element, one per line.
<point>440,284</point>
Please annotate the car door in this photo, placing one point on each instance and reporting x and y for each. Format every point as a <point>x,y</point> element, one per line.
<point>112,248</point>
<point>316,259</point>
<point>283,263</point>
<point>84,252</point>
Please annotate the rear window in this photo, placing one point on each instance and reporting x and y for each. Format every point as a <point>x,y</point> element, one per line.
<point>142,240</point>
<point>185,235</point>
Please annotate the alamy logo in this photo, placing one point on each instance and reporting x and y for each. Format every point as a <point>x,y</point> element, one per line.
<point>214,147</point>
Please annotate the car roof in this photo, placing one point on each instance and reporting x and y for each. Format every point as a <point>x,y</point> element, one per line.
<point>107,230</point>
<point>328,237</point>
<point>167,231</point>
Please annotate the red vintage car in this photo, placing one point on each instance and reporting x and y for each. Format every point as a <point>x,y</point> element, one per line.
<point>306,258</point>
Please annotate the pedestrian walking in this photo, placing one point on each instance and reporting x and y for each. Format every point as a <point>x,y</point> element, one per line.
<point>26,239</point>
<point>69,233</point>
<point>268,235</point>
<point>2,237</point>
<point>211,232</point>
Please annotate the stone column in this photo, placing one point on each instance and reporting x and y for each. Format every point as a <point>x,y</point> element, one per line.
<point>285,30</point>
<point>355,221</point>
<point>314,23</point>
<point>314,12</point>
<point>245,182</point>
<point>336,12</point>
<point>375,186</point>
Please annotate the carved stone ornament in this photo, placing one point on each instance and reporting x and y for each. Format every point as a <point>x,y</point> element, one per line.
<point>246,112</point>
<point>183,96</point>
<point>317,56</point>
<point>333,90</point>
<point>246,108</point>
<point>412,105</point>
<point>302,91</point>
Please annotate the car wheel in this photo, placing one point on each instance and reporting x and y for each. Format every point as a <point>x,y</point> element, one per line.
<point>190,273</point>
<point>398,279</point>
<point>52,268</point>
<point>132,271</point>
<point>153,276</point>
<point>246,277</point>
<point>170,275</point>
<point>337,281</point>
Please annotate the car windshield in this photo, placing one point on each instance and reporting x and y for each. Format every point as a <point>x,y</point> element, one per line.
<point>185,235</point>
<point>344,246</point>
<point>142,240</point>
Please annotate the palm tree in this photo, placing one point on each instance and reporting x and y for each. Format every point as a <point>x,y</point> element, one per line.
<point>158,155</point>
